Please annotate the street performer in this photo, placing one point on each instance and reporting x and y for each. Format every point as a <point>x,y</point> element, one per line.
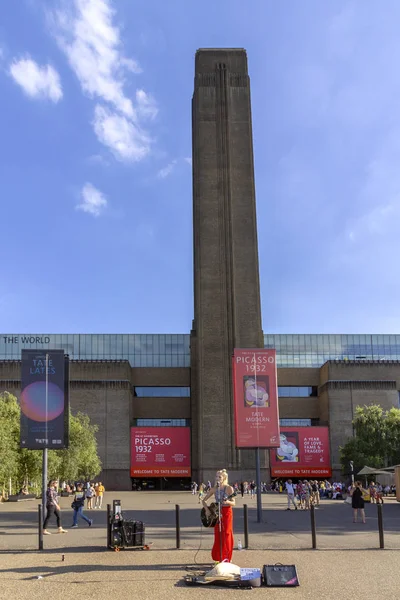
<point>223,531</point>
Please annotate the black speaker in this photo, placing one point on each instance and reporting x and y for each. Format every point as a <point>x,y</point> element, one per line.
<point>117,540</point>
<point>280,575</point>
<point>132,533</point>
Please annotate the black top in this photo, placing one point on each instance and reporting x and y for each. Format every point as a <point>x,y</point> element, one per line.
<point>357,500</point>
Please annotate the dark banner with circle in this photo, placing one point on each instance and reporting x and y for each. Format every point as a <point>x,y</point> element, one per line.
<point>44,399</point>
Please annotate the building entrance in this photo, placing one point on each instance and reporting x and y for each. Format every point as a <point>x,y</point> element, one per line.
<point>160,484</point>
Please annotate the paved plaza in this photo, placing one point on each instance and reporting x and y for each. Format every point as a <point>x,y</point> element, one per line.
<point>347,562</point>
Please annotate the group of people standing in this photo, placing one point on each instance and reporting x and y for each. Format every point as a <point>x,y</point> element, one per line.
<point>305,492</point>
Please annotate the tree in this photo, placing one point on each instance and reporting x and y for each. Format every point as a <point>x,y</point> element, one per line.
<point>9,438</point>
<point>377,439</point>
<point>79,461</point>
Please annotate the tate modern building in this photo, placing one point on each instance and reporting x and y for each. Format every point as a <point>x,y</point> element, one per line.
<point>163,404</point>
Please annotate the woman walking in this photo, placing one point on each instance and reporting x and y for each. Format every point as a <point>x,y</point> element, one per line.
<point>78,505</point>
<point>357,501</point>
<point>52,508</point>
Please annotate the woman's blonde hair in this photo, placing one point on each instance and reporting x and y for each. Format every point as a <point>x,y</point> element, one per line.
<point>224,474</point>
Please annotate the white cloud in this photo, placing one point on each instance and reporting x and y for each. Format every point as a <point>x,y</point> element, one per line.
<point>146,105</point>
<point>37,81</point>
<point>91,41</point>
<point>163,173</point>
<point>125,139</point>
<point>93,201</point>
<point>98,159</point>
<point>188,159</point>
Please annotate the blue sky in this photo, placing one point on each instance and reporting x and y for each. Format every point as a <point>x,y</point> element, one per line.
<point>95,150</point>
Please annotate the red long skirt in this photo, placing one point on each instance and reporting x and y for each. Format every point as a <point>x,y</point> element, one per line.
<point>227,536</point>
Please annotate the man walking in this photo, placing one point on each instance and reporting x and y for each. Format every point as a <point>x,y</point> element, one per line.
<point>290,494</point>
<point>78,506</point>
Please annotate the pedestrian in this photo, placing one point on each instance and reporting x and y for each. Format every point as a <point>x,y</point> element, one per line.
<point>357,501</point>
<point>90,493</point>
<point>252,489</point>
<point>78,506</point>
<point>201,492</point>
<point>99,494</point>
<point>314,493</point>
<point>52,508</point>
<point>242,488</point>
<point>290,494</point>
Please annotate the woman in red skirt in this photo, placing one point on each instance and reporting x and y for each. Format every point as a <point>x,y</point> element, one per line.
<point>221,491</point>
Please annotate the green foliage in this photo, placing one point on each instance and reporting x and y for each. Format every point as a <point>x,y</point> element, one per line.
<point>79,461</point>
<point>9,431</point>
<point>377,439</point>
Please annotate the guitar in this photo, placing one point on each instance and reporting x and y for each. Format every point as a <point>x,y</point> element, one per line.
<point>212,518</point>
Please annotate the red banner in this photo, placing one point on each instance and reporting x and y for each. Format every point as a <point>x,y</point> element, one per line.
<point>303,452</point>
<point>160,452</point>
<point>255,398</point>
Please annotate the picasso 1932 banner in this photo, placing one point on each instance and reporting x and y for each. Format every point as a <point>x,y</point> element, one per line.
<point>160,452</point>
<point>44,399</point>
<point>303,452</point>
<point>255,398</point>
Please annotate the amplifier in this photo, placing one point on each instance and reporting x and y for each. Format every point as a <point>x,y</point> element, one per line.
<point>133,533</point>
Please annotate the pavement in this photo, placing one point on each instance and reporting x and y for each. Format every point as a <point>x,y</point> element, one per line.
<point>347,562</point>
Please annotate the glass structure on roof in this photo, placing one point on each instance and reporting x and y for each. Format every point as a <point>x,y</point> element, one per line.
<point>173,350</point>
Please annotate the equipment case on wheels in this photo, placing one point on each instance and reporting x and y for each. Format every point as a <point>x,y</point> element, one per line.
<point>125,533</point>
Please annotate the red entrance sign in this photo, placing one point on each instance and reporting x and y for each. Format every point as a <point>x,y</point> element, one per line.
<point>160,452</point>
<point>303,452</point>
<point>255,398</point>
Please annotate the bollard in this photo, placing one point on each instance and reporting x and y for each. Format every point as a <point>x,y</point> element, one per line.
<point>246,525</point>
<point>178,527</point>
<point>380,526</point>
<point>40,526</point>
<point>108,526</point>
<point>313,530</point>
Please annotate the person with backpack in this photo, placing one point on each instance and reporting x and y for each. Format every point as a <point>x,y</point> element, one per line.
<point>78,506</point>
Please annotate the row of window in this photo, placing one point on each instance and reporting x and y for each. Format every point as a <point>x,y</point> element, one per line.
<point>173,350</point>
<point>186,422</point>
<point>161,392</point>
<point>291,391</point>
<point>161,423</point>
<point>299,422</point>
<point>184,392</point>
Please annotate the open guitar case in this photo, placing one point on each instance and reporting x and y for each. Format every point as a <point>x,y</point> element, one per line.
<point>247,579</point>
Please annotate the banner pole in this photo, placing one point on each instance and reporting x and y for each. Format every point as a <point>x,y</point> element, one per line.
<point>44,483</point>
<point>258,484</point>
<point>258,462</point>
<point>44,463</point>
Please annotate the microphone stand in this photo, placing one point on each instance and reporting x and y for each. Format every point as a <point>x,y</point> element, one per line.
<point>219,521</point>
